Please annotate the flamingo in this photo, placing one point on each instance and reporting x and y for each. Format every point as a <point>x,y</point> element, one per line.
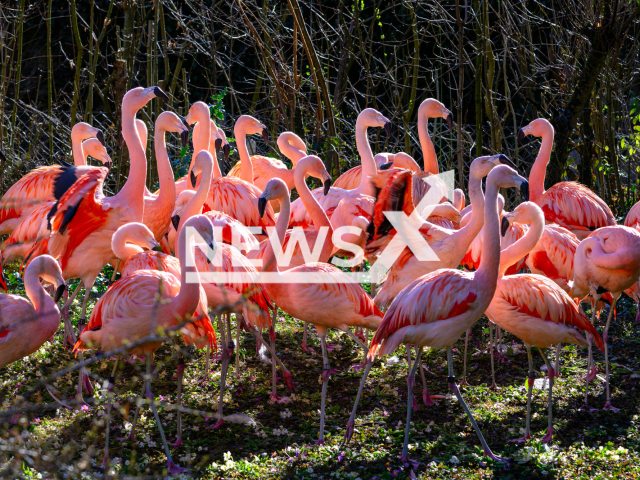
<point>25,326</point>
<point>438,307</point>
<point>137,305</point>
<point>334,302</point>
<point>266,168</point>
<point>350,179</point>
<point>83,223</point>
<point>534,308</point>
<point>233,196</point>
<point>450,246</point>
<point>633,220</point>
<point>46,184</point>
<point>158,207</point>
<point>608,260</point>
<point>569,204</point>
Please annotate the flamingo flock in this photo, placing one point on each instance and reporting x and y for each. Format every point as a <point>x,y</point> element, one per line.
<point>237,244</point>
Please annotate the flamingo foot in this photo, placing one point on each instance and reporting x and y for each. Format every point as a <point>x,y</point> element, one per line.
<point>319,442</point>
<point>86,383</point>
<point>415,404</point>
<point>360,334</point>
<point>521,440</point>
<point>174,469</point>
<point>331,347</point>
<point>308,349</point>
<point>608,406</point>
<point>407,462</point>
<point>276,399</point>
<point>349,433</point>
<point>463,382</point>
<point>129,438</point>
<point>592,374</point>
<point>105,460</point>
<point>494,457</point>
<point>587,408</point>
<point>218,424</point>
<point>288,379</point>
<point>638,316</point>
<point>178,442</point>
<point>493,386</point>
<point>426,398</point>
<point>547,437</point>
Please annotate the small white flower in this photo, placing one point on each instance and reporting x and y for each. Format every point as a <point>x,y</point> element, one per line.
<point>454,460</point>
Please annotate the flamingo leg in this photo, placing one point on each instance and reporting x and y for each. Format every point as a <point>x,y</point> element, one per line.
<point>551,373</point>
<point>239,320</point>
<point>115,272</point>
<point>531,377</point>
<point>589,362</point>
<point>410,384</point>
<point>180,372</point>
<point>304,340</point>
<point>325,381</point>
<point>607,405</point>
<point>409,363</point>
<point>499,340</point>
<point>172,467</point>
<point>493,370</point>
<point>454,388</point>
<point>464,364</point>
<point>272,349</point>
<point>285,371</point>
<point>207,361</point>
<point>68,328</point>
<point>426,398</point>
<point>131,436</point>
<point>557,365</point>
<point>361,344</point>
<point>350,425</point>
<point>111,381</point>
<point>226,358</point>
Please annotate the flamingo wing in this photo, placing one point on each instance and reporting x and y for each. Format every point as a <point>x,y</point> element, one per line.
<point>576,207</point>
<point>553,255</point>
<point>239,200</point>
<point>633,217</point>
<point>15,312</point>
<point>350,179</point>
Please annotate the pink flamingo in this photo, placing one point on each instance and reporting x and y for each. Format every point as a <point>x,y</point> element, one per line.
<point>266,168</point>
<point>569,204</point>
<point>438,307</point>
<point>233,196</point>
<point>48,184</point>
<point>608,260</point>
<point>131,310</point>
<point>534,308</point>
<point>350,180</point>
<point>633,220</point>
<point>333,303</point>
<point>25,327</point>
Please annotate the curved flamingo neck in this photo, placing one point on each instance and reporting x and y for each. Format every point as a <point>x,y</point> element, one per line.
<point>316,212</point>
<point>366,157</point>
<point>291,152</point>
<point>195,204</point>
<point>132,193</point>
<point>487,272</point>
<point>428,151</point>
<point>467,233</point>
<point>246,167</point>
<point>42,302</point>
<point>189,296</point>
<point>121,248</point>
<point>79,157</point>
<point>201,142</point>
<point>515,252</point>
<point>165,201</point>
<point>269,259</point>
<point>539,168</point>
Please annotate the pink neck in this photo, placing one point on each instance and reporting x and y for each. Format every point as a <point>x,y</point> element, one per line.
<point>515,252</point>
<point>189,297</point>
<point>539,169</point>
<point>246,167</point>
<point>291,152</point>
<point>194,206</point>
<point>165,201</point>
<point>132,193</point>
<point>201,142</point>
<point>428,151</point>
<point>487,273</point>
<point>468,233</point>
<point>366,157</point>
<point>269,258</point>
<point>48,313</point>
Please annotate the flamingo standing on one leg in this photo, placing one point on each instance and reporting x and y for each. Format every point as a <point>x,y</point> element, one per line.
<point>24,327</point>
<point>48,184</point>
<point>608,260</point>
<point>438,307</point>
<point>335,303</point>
<point>147,300</point>
<point>569,204</point>
<point>534,308</point>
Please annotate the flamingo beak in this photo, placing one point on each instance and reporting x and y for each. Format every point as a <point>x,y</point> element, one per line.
<point>218,144</point>
<point>327,186</point>
<point>184,137</point>
<point>449,120</point>
<point>504,227</point>
<point>262,205</point>
<point>108,165</point>
<point>184,122</point>
<point>100,137</point>
<point>226,150</point>
<point>175,220</point>
<point>386,166</point>
<point>387,128</point>
<point>521,135</point>
<point>160,94</point>
<point>59,291</point>
<point>503,159</point>
<point>265,135</point>
<point>193,179</point>
<point>524,191</point>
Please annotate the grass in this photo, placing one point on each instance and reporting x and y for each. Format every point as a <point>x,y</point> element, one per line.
<point>278,440</point>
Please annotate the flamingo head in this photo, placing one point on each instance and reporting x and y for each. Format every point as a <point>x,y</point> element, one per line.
<point>82,131</point>
<point>138,97</point>
<point>312,165</point>
<point>203,161</point>
<point>527,213</point>
<point>201,225</point>
<point>199,112</point>
<point>95,149</point>
<point>505,177</point>
<point>275,189</point>
<point>170,122</point>
<point>538,128</point>
<point>436,109</point>
<point>481,166</point>
<point>47,268</point>
<point>373,118</point>
<point>252,126</point>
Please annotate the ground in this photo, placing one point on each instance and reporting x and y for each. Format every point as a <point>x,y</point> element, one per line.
<point>277,440</point>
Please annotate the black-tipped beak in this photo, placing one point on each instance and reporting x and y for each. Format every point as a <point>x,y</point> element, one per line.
<point>504,226</point>
<point>100,137</point>
<point>218,144</point>
<point>327,186</point>
<point>160,94</point>
<point>226,150</point>
<point>263,232</point>
<point>506,161</point>
<point>184,138</point>
<point>59,291</point>
<point>213,248</point>
<point>265,135</point>
<point>387,128</point>
<point>120,140</point>
<point>184,122</point>
<point>524,191</point>
<point>521,135</point>
<point>262,206</point>
<point>449,121</point>
<point>108,165</point>
<point>386,166</point>
<point>193,179</point>
<point>157,248</point>
<point>175,220</point>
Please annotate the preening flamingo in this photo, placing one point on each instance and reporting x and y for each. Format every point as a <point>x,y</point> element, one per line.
<point>438,307</point>
<point>266,168</point>
<point>534,308</point>
<point>145,301</point>
<point>450,246</point>
<point>233,196</point>
<point>608,260</point>
<point>24,325</point>
<point>317,293</point>
<point>48,184</point>
<point>569,204</point>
